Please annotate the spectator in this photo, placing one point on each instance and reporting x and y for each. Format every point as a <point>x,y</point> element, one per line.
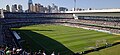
<point>2,50</point>
<point>53,53</point>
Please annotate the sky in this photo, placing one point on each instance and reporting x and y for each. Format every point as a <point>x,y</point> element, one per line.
<point>96,4</point>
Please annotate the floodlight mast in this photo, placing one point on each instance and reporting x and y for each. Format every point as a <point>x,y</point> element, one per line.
<point>74,5</point>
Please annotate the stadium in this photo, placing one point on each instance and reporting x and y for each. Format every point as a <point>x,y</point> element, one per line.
<point>60,33</point>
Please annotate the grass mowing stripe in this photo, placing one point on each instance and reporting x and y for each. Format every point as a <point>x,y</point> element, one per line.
<point>57,33</point>
<point>81,38</point>
<point>36,41</point>
<point>75,39</point>
<point>53,33</point>
<point>78,35</point>
<point>71,35</point>
<point>28,45</point>
<point>108,51</point>
<point>49,45</point>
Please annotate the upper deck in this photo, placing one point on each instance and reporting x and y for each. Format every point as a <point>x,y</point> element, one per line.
<point>96,11</point>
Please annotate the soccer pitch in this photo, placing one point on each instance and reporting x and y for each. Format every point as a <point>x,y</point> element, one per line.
<point>62,39</point>
<point>108,51</point>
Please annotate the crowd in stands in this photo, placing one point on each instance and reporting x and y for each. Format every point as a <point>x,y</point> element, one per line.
<point>106,26</point>
<point>25,20</point>
<point>97,22</point>
<point>9,50</point>
<point>111,26</point>
<point>6,35</point>
<point>30,21</point>
<point>109,30</point>
<point>12,50</point>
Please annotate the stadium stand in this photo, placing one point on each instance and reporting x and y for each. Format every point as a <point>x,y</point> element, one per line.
<point>9,40</point>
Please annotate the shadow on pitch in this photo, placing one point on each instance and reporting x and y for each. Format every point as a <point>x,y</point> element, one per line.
<point>36,41</point>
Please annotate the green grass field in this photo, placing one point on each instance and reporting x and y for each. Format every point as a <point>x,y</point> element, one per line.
<point>115,50</point>
<point>62,39</point>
